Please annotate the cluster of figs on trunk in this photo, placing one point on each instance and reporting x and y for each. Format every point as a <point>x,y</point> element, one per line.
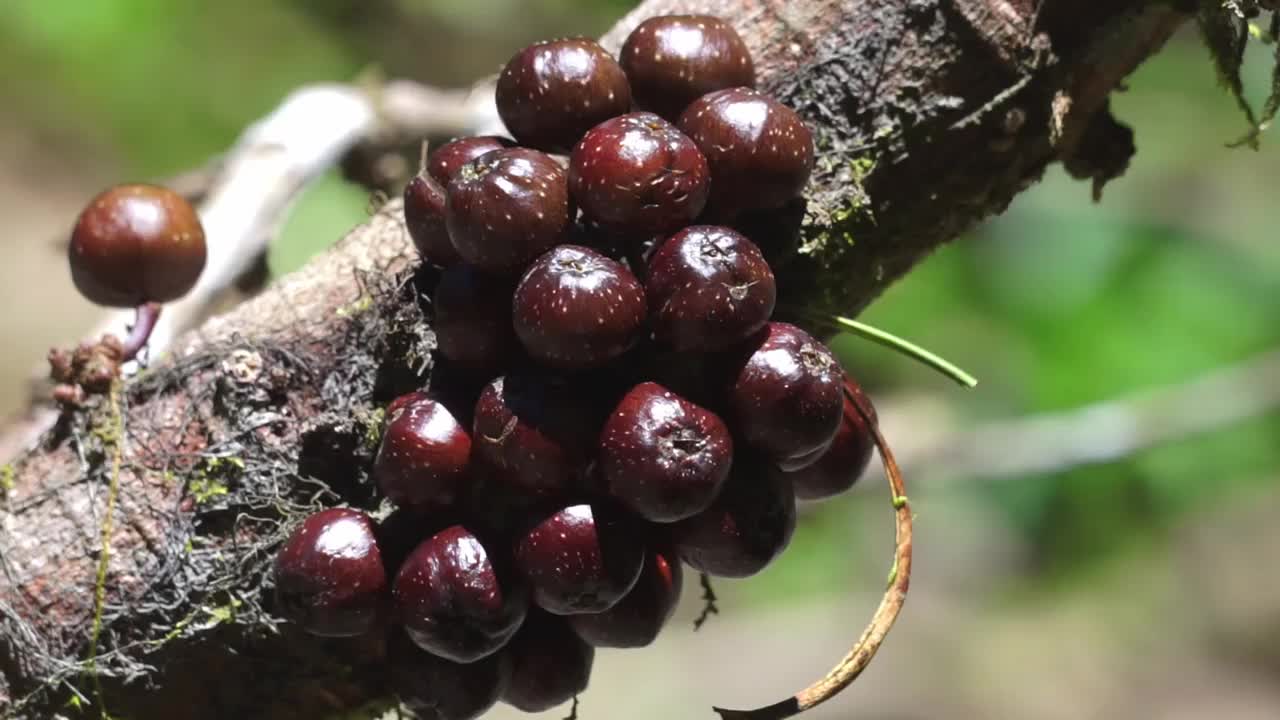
<point>634,407</point>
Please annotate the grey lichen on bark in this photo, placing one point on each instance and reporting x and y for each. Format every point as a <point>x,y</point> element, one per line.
<point>929,115</point>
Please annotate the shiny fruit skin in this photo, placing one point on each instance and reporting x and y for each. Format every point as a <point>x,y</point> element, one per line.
<point>672,60</point>
<point>662,456</point>
<point>424,202</point>
<point>580,559</point>
<point>452,600</point>
<point>760,151</point>
<point>638,176</point>
<point>424,458</point>
<point>838,468</point>
<point>506,208</point>
<point>746,528</point>
<point>550,664</point>
<point>638,617</point>
<point>445,161</point>
<point>329,574</point>
<point>785,392</point>
<point>134,244</point>
<point>576,309</point>
<point>533,435</point>
<point>708,287</point>
<point>551,93</point>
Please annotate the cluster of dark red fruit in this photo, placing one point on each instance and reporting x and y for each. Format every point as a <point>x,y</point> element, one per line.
<point>634,407</point>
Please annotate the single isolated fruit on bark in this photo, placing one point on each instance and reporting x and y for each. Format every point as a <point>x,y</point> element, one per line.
<point>329,574</point>
<point>136,244</point>
<point>551,93</point>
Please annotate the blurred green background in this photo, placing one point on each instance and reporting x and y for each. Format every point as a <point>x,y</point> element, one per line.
<point>1142,586</point>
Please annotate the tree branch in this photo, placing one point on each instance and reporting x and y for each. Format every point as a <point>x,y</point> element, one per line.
<point>929,116</point>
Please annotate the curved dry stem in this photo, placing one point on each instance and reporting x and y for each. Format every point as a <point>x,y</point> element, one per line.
<point>857,659</point>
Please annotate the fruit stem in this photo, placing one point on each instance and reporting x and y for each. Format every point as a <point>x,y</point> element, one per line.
<point>859,657</point>
<point>144,322</point>
<point>907,348</point>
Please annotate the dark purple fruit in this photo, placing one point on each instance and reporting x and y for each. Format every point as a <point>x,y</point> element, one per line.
<point>837,468</point>
<point>506,208</point>
<point>433,688</point>
<point>576,308</point>
<point>785,392</point>
<point>445,161</point>
<point>760,152</point>
<point>424,201</point>
<point>473,319</point>
<point>329,574</point>
<point>637,175</point>
<point>662,456</point>
<point>551,93</point>
<point>581,559</point>
<point>708,288</point>
<point>749,525</point>
<point>533,434</point>
<point>672,60</point>
<point>425,454</point>
<point>638,618</point>
<point>550,664</point>
<point>453,602</point>
<point>135,244</point>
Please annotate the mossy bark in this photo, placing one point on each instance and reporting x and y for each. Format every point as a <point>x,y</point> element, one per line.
<point>930,115</point>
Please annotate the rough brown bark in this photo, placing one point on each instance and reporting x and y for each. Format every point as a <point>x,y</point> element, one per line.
<point>929,116</point>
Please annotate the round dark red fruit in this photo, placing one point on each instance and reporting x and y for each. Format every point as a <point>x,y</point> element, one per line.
<point>551,93</point>
<point>672,60</point>
<point>445,161</point>
<point>550,664</point>
<point>662,456</point>
<point>473,319</point>
<point>135,244</point>
<point>837,468</point>
<point>424,201</point>
<point>533,434</point>
<point>636,174</point>
<point>433,688</point>
<point>760,152</point>
<point>748,525</point>
<point>506,208</point>
<point>575,308</point>
<point>638,618</point>
<point>453,601</point>
<point>581,559</point>
<point>425,454</point>
<point>329,574</point>
<point>708,288</point>
<point>785,392</point>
